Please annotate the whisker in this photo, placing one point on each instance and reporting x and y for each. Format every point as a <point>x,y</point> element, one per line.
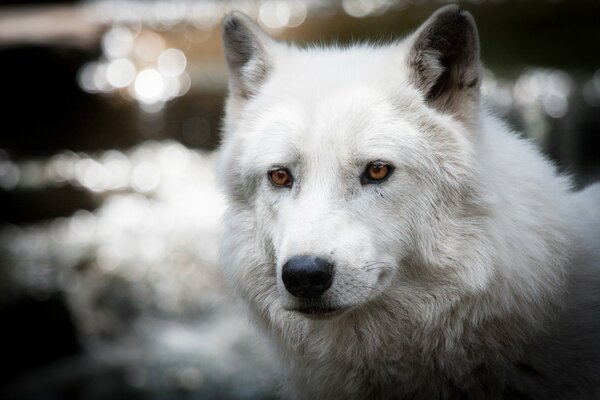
<point>374,266</point>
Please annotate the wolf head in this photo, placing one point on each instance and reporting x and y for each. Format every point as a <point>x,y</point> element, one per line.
<point>350,171</point>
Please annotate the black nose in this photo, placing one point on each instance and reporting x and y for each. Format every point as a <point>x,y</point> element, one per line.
<point>307,276</point>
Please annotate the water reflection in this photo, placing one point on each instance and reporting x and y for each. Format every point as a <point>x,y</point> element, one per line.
<point>157,227</point>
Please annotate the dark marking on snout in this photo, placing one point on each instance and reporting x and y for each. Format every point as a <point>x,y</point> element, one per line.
<point>307,276</point>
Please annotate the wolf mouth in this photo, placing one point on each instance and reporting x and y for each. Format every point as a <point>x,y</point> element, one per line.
<point>319,312</point>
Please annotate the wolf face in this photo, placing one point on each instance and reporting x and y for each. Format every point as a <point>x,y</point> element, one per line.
<point>353,168</point>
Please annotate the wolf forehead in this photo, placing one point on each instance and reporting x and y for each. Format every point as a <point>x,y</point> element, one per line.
<point>322,96</point>
<point>295,129</point>
<point>332,89</point>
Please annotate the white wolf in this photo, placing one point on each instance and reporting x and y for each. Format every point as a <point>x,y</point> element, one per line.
<point>391,237</point>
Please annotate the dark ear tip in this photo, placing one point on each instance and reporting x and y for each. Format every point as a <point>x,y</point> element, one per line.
<point>232,21</point>
<point>229,23</point>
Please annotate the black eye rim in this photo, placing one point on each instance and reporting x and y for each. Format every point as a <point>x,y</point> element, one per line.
<point>365,179</point>
<point>287,171</point>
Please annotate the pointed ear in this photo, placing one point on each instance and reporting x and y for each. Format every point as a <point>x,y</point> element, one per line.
<point>246,49</point>
<point>444,63</point>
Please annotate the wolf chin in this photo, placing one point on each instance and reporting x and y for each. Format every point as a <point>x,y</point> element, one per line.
<point>391,237</point>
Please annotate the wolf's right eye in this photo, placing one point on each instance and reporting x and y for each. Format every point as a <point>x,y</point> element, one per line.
<point>280,177</point>
<point>376,172</point>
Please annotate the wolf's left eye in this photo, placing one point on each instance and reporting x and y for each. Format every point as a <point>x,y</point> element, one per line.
<point>376,172</point>
<point>280,177</point>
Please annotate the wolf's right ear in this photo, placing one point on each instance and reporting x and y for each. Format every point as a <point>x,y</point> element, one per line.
<point>444,63</point>
<point>246,49</point>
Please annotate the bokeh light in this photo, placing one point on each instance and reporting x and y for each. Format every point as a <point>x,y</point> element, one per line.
<point>149,86</point>
<point>171,62</point>
<point>120,73</point>
<point>118,42</point>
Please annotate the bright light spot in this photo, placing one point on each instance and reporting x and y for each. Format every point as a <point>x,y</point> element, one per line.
<point>181,339</point>
<point>560,82</point>
<point>498,91</point>
<point>9,175</point>
<point>206,14</point>
<point>527,88</point>
<point>489,82</point>
<point>283,13</point>
<point>117,42</point>
<point>152,248</point>
<point>168,14</point>
<point>124,213</point>
<point>297,14</point>
<point>152,108</point>
<point>86,77</point>
<point>149,86</point>
<point>93,175</point>
<point>172,62</point>
<point>146,177</point>
<point>148,46</point>
<point>556,100</point>
<point>172,87</point>
<point>268,15</point>
<point>65,165</point>
<point>547,89</point>
<point>359,8</point>
<point>119,169</point>
<point>172,159</point>
<point>109,256</point>
<point>81,227</point>
<point>32,174</point>
<point>92,77</point>
<point>556,106</point>
<point>120,72</point>
<point>100,82</point>
<point>185,82</point>
<point>503,98</point>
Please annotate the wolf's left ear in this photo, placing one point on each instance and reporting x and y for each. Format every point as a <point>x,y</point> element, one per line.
<point>444,63</point>
<point>246,49</point>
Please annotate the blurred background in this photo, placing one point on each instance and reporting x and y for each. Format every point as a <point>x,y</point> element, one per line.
<point>109,213</point>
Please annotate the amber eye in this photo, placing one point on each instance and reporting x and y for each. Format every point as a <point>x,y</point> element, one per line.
<point>280,177</point>
<point>376,172</point>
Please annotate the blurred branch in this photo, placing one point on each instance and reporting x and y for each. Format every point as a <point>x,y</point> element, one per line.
<point>61,25</point>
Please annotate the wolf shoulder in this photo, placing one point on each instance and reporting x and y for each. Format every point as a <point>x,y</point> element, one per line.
<point>568,364</point>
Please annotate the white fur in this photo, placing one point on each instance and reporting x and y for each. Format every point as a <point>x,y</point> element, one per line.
<point>471,273</point>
